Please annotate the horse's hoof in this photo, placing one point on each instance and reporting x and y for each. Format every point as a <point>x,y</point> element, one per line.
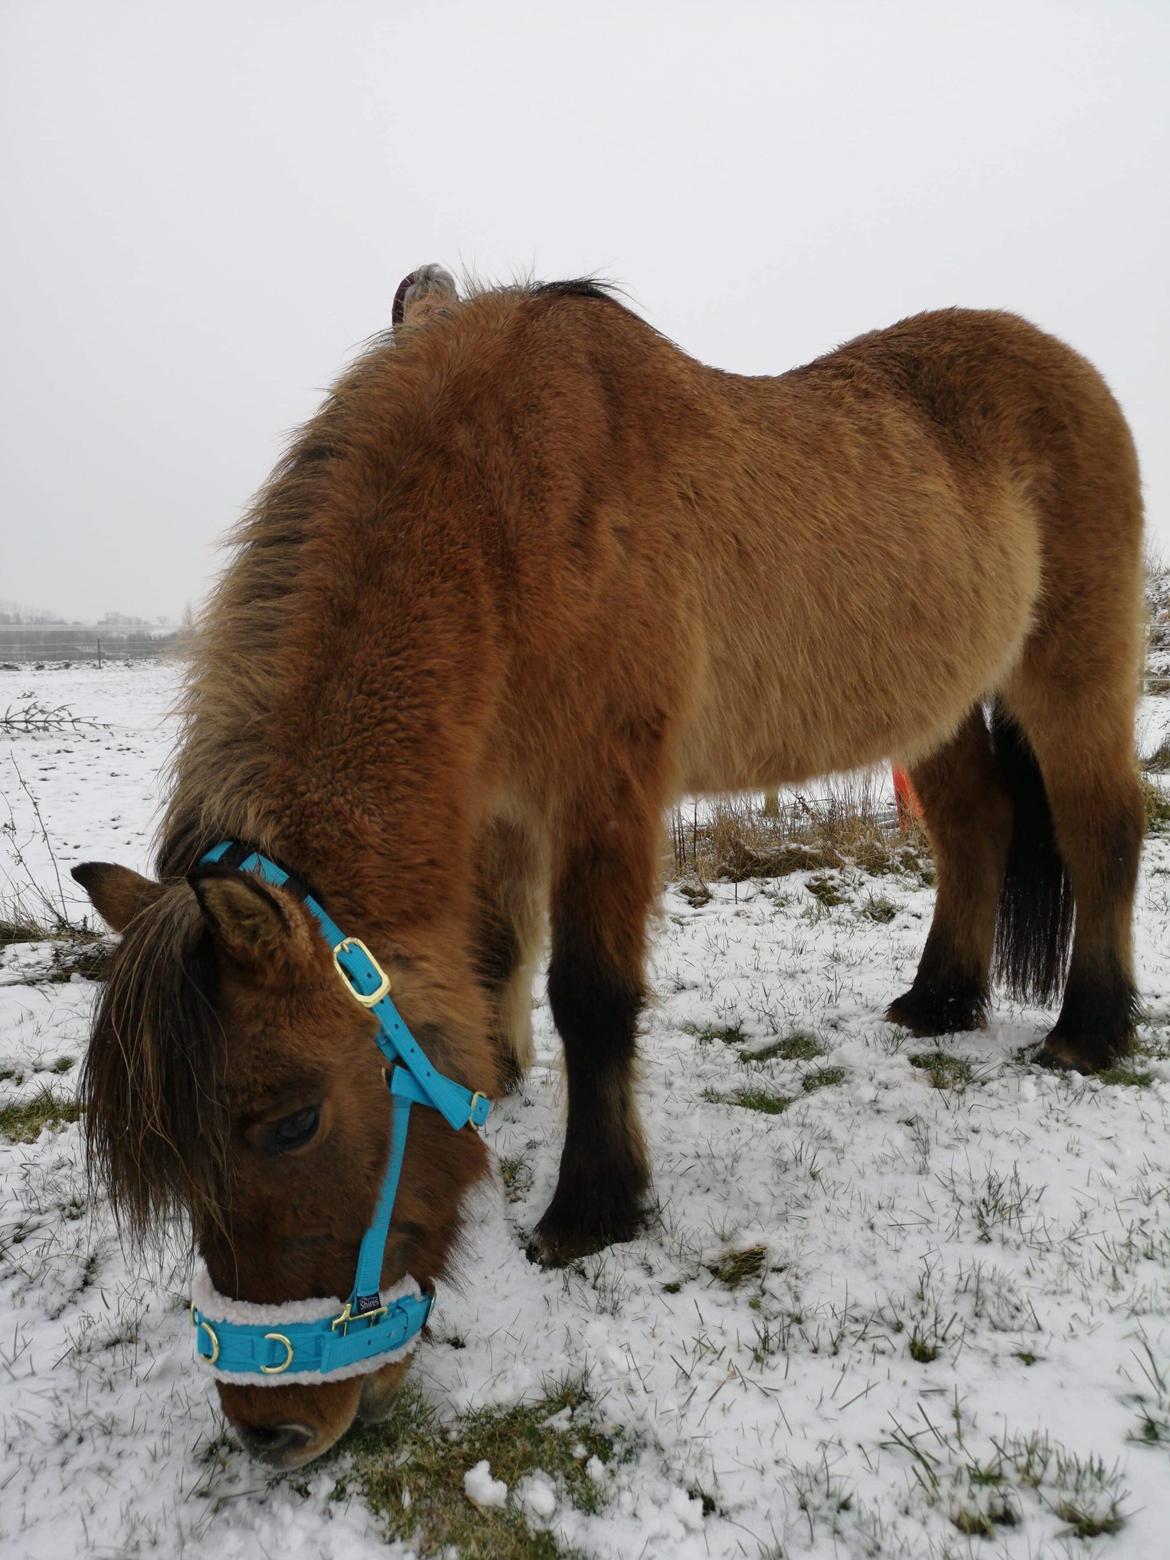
<point>1076,1053</point>
<point>556,1251</point>
<point>929,1013</point>
<point>555,1245</point>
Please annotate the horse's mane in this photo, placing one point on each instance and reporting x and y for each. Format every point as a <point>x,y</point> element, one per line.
<point>345,457</point>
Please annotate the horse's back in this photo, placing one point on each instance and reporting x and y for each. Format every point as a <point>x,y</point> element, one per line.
<point>909,516</point>
<point>762,578</point>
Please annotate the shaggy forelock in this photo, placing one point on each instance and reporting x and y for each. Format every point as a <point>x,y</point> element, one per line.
<point>156,1127</point>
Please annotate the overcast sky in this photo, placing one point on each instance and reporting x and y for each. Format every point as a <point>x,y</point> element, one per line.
<point>206,207</point>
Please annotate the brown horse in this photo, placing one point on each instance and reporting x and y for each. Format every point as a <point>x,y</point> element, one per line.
<point>530,573</point>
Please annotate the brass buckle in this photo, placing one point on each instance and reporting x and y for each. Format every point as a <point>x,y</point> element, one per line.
<point>275,1370</point>
<point>383,982</point>
<point>210,1331</point>
<point>347,1316</point>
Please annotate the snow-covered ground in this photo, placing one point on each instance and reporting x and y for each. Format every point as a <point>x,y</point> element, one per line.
<point>950,1309</point>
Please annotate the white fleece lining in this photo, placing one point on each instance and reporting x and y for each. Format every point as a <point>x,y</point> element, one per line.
<point>215,1307</point>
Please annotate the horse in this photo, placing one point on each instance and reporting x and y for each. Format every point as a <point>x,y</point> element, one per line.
<point>530,573</point>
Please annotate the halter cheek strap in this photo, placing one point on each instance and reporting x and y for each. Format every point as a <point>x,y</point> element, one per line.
<point>318,1340</point>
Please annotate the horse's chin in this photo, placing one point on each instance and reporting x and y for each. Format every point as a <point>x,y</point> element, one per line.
<point>379,1390</point>
<point>293,1425</point>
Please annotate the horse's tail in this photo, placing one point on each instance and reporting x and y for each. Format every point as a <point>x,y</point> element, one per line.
<point>1034,921</point>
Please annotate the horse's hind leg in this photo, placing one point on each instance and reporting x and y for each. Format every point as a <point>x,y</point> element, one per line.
<point>605,879</point>
<point>512,890</point>
<point>968,813</point>
<point>1084,747</point>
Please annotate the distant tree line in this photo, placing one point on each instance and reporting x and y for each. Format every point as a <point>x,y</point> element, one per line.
<point>12,612</point>
<point>13,615</point>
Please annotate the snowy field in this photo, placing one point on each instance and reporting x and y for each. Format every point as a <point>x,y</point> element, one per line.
<point>900,1298</point>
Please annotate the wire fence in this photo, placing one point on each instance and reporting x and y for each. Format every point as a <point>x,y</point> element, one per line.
<point>23,646</point>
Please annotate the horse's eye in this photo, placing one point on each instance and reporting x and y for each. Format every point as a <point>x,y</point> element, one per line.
<point>293,1131</point>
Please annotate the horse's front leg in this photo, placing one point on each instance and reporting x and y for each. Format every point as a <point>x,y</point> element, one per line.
<point>602,892</point>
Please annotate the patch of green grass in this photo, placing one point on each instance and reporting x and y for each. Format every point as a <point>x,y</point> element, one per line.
<point>822,1078</point>
<point>944,1072</point>
<point>62,1064</point>
<point>826,888</point>
<point>796,1047</point>
<point>981,1521</point>
<point>708,1502</point>
<point>1130,1077</point>
<point>1157,803</point>
<point>1025,1356</point>
<point>11,1075</point>
<point>24,1122</point>
<point>1158,762</point>
<point>727,1034</point>
<point>1153,1428</point>
<point>921,1348</point>
<point>516,1175</point>
<point>1081,1491</point>
<point>1085,1522</point>
<point>751,1099</point>
<point>736,1268</point>
<point>410,1469</point>
<point>879,908</point>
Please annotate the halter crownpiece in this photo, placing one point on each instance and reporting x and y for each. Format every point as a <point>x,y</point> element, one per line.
<point>319,1340</point>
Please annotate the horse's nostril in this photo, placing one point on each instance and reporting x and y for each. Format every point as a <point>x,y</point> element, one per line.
<point>275,1443</point>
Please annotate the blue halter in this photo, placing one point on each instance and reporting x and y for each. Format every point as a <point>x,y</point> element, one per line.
<point>347,1342</point>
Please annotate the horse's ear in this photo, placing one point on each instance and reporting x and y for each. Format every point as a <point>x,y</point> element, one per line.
<point>427,291</point>
<point>255,925</point>
<point>116,893</point>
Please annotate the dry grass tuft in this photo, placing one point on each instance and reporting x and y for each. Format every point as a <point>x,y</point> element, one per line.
<point>75,949</point>
<point>18,927</point>
<point>736,1268</point>
<point>737,839</point>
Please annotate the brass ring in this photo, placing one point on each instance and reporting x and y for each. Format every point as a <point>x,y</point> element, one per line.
<point>210,1331</point>
<point>275,1370</point>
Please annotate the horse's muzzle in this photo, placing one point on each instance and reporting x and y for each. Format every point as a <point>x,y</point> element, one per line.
<point>281,1446</point>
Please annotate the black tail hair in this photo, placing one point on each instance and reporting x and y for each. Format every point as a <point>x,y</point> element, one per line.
<point>1034,921</point>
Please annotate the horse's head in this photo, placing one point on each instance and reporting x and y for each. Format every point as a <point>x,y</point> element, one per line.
<point>232,1077</point>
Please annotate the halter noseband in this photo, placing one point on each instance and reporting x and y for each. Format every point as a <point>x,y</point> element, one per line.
<point>316,1340</point>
